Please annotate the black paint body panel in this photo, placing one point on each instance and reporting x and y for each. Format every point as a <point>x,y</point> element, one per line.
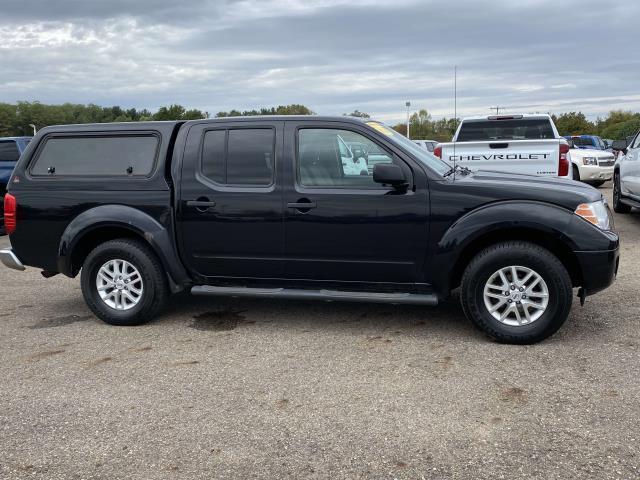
<point>379,240</point>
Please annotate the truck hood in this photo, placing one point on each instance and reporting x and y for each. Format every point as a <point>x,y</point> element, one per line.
<point>512,186</point>
<point>589,152</point>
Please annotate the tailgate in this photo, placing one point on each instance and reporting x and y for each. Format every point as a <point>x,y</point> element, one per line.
<point>533,157</point>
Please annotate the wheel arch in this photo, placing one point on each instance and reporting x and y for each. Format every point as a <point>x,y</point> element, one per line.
<point>108,222</point>
<point>543,239</point>
<point>538,223</point>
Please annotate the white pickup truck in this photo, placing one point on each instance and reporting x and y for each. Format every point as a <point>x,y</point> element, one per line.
<point>509,143</point>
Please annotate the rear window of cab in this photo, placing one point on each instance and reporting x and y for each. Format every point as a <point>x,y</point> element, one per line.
<point>97,155</point>
<point>516,129</point>
<point>9,151</point>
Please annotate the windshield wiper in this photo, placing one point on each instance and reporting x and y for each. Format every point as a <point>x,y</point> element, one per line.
<point>458,169</point>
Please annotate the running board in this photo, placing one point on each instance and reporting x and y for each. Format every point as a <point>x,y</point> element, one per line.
<point>326,295</point>
<point>630,202</point>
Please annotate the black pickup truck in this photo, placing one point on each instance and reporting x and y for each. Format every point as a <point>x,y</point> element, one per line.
<point>272,207</point>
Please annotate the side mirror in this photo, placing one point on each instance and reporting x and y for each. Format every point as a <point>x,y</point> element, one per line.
<point>572,143</point>
<point>388,173</point>
<point>619,145</point>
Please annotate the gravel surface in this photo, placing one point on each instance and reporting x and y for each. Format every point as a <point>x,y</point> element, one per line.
<point>224,388</point>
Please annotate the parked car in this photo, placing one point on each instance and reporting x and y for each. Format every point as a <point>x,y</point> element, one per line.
<point>509,143</point>
<point>10,150</point>
<point>589,142</point>
<point>261,206</point>
<point>354,158</point>
<point>430,145</point>
<point>591,166</point>
<point>626,176</point>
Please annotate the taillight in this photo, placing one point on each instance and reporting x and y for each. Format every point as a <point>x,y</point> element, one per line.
<point>563,160</point>
<point>10,205</point>
<point>437,151</point>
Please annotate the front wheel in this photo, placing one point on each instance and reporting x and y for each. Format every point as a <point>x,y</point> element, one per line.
<point>123,282</point>
<point>576,173</point>
<point>516,292</point>
<point>618,206</point>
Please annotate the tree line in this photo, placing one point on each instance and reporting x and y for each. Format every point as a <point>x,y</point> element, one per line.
<point>15,119</point>
<point>617,125</point>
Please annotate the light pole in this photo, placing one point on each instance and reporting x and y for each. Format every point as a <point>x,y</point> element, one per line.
<point>408,104</point>
<point>34,128</point>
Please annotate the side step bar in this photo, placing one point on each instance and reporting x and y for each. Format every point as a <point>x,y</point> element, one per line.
<point>326,295</point>
<point>630,202</point>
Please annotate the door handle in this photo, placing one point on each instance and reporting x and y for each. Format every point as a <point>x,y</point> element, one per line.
<point>200,203</point>
<point>302,205</point>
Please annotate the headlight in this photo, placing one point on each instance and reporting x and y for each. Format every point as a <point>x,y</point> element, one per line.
<point>589,161</point>
<point>596,213</point>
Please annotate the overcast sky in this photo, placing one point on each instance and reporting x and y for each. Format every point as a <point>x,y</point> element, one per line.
<point>332,55</point>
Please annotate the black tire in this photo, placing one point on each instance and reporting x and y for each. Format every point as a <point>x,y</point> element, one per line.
<point>155,289</point>
<point>576,173</point>
<point>523,254</point>
<point>597,183</point>
<point>618,206</point>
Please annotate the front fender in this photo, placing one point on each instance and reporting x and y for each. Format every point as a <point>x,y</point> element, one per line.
<point>508,216</point>
<point>157,236</point>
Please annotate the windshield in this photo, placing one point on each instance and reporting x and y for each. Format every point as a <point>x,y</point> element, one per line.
<point>420,153</point>
<point>583,141</point>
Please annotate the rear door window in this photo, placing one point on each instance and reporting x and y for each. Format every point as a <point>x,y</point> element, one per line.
<point>9,151</point>
<point>516,129</point>
<point>112,155</point>
<point>239,156</point>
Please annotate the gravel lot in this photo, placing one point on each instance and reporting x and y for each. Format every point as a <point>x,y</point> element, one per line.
<point>224,388</point>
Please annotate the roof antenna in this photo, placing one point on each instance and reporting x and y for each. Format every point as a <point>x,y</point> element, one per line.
<point>455,116</point>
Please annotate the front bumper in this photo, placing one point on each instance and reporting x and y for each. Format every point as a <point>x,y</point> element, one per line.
<point>595,172</point>
<point>10,259</point>
<point>599,269</point>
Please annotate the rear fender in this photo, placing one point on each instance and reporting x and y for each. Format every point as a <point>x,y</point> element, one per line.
<point>157,236</point>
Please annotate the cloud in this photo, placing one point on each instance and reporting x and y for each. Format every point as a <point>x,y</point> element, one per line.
<point>332,55</point>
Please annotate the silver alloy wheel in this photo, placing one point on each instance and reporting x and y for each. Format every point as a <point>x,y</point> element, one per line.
<point>119,284</point>
<point>516,295</point>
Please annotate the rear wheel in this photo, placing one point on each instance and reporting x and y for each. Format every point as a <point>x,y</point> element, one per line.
<point>516,292</point>
<point>618,206</point>
<point>123,282</point>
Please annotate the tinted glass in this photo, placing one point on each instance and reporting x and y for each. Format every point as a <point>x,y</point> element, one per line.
<point>250,155</point>
<point>582,141</point>
<point>213,155</point>
<point>517,129</point>
<point>103,156</point>
<point>9,151</point>
<point>325,160</point>
<point>420,153</point>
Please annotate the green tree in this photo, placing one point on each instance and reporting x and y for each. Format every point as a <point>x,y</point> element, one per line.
<point>622,130</point>
<point>357,113</point>
<point>421,125</point>
<point>618,124</point>
<point>573,123</point>
<point>293,109</point>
